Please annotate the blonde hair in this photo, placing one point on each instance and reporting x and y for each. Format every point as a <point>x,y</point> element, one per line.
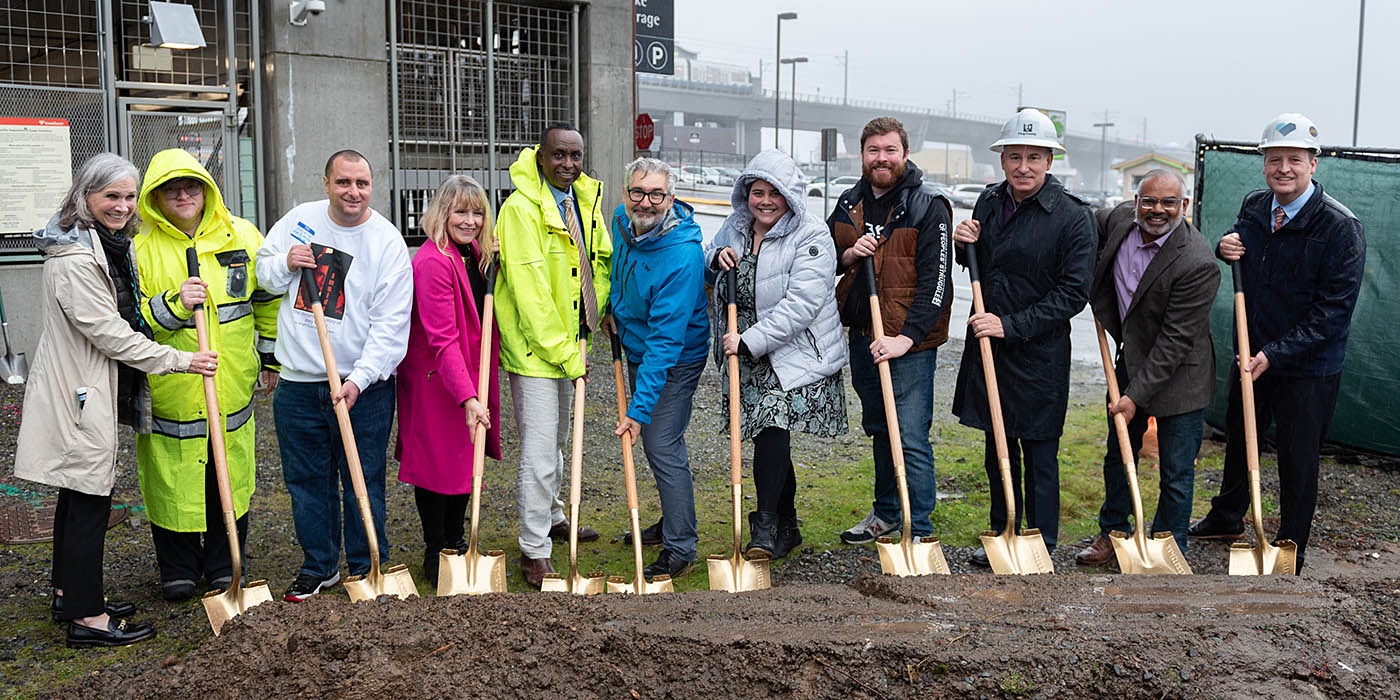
<point>460,191</point>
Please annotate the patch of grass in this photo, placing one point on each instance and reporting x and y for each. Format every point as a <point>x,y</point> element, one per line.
<point>1015,684</point>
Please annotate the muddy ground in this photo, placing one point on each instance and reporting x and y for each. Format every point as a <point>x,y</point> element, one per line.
<point>831,627</point>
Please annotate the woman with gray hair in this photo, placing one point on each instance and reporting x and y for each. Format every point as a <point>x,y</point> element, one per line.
<point>87,375</point>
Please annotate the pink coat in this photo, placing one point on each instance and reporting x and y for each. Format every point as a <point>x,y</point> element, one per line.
<point>439,374</point>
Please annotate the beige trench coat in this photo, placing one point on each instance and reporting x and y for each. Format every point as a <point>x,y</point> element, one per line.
<point>63,441</point>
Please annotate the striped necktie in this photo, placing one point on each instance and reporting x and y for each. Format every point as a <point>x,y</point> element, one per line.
<point>1279,216</point>
<point>588,294</point>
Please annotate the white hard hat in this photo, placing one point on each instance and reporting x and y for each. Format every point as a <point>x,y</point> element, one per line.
<point>1030,127</point>
<point>1290,129</point>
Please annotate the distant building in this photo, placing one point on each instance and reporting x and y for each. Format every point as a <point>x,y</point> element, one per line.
<point>1131,171</point>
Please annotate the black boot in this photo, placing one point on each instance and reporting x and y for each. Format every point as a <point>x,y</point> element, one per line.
<point>789,536</point>
<point>430,565</point>
<point>763,529</point>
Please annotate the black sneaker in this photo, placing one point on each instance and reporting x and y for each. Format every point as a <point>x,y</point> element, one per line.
<point>650,535</point>
<point>868,530</point>
<point>308,585</point>
<point>668,564</point>
<point>979,558</point>
<point>178,590</point>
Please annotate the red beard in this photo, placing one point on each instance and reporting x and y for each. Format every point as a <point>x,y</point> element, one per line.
<point>883,181</point>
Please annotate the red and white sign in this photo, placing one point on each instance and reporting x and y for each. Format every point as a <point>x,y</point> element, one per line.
<point>38,169</point>
<point>645,131</point>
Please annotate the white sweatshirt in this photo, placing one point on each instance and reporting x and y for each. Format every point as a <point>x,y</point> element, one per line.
<point>370,337</point>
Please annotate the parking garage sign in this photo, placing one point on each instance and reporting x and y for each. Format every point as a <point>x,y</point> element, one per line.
<point>653,50</point>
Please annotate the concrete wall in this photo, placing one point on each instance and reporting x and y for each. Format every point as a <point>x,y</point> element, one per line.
<point>605,93</point>
<point>327,88</point>
<point>20,286</point>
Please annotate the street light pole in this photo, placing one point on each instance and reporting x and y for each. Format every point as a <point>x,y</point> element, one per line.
<point>1103,152</point>
<point>778,75</point>
<point>792,116</point>
<point>846,73</point>
<point>1356,113</point>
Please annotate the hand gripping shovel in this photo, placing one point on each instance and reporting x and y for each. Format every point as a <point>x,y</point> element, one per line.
<point>396,581</point>
<point>617,584</point>
<point>1263,558</point>
<point>13,367</point>
<point>732,572</point>
<point>473,572</point>
<point>221,606</point>
<point>575,583</point>
<point>906,557</point>
<point>1008,552</point>
<point>1160,555</point>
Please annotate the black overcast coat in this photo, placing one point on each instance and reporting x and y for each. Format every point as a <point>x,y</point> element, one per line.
<point>1035,275</point>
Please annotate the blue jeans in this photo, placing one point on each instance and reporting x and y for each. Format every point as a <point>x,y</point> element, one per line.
<point>663,440</point>
<point>912,379</point>
<point>1178,442</point>
<point>312,455</point>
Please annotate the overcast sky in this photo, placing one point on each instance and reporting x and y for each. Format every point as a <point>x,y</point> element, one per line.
<point>1222,67</point>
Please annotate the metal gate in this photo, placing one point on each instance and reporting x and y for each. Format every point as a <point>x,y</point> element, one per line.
<point>148,127</point>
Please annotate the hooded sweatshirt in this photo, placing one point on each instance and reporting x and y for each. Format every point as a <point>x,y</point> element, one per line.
<point>658,300</point>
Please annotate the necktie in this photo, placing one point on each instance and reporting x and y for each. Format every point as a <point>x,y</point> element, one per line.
<point>1278,218</point>
<point>589,295</point>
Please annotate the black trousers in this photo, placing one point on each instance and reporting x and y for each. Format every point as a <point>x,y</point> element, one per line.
<point>443,516</point>
<point>1040,499</point>
<point>191,555</point>
<point>79,529</point>
<point>1301,409</point>
<point>774,479</point>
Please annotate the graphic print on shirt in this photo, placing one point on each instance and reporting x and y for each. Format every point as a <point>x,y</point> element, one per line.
<point>329,278</point>
<point>876,230</point>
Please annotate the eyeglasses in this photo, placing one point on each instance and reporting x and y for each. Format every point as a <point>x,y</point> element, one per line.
<point>654,196</point>
<point>189,187</point>
<point>1152,202</point>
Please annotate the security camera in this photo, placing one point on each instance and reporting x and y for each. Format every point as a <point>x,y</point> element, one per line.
<point>301,8</point>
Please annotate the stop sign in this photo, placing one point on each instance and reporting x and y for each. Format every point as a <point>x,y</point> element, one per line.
<point>645,131</point>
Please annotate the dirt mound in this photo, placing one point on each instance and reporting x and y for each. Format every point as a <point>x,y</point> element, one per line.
<point>952,636</point>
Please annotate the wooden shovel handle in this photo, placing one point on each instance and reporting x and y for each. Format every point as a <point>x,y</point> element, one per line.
<point>483,392</point>
<point>731,279</point>
<point>989,376</point>
<point>877,332</point>
<point>1251,431</point>
<point>628,466</point>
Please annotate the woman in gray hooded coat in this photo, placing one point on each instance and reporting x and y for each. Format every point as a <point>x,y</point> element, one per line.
<point>790,345</point>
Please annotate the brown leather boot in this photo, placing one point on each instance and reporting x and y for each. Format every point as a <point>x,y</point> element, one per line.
<point>533,570</point>
<point>1096,554</point>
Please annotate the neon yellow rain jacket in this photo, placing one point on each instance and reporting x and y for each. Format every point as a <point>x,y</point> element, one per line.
<point>171,459</point>
<point>538,291</point>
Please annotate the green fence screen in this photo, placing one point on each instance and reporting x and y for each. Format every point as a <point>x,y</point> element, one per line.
<point>1368,183</point>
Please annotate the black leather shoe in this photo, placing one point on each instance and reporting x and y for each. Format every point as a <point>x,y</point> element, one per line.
<point>176,591</point>
<point>979,558</point>
<point>560,532</point>
<point>789,536</point>
<point>668,564</point>
<point>650,535</point>
<point>763,534</point>
<point>119,633</point>
<point>113,608</point>
<point>1212,528</point>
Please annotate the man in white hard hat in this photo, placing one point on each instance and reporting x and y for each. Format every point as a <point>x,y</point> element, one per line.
<point>1301,255</point>
<point>1035,245</point>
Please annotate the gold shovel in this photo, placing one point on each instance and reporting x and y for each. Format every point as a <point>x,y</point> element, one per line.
<point>906,557</point>
<point>1008,552</point>
<point>1263,558</point>
<point>396,581</point>
<point>472,572</point>
<point>222,606</point>
<point>1160,555</point>
<point>732,572</point>
<point>618,584</point>
<point>575,583</point>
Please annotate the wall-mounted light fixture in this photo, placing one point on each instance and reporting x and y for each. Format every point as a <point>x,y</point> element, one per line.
<point>301,8</point>
<point>174,26</point>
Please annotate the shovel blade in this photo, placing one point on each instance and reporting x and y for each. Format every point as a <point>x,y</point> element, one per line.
<point>923,558</point>
<point>1017,554</point>
<point>11,370</point>
<point>736,574</point>
<point>660,584</point>
<point>577,584</point>
<point>1162,555</point>
<point>1263,558</point>
<point>394,581</point>
<point>222,606</point>
<point>471,574</point>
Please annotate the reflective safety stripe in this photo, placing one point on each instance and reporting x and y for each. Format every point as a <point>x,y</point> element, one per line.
<point>266,344</point>
<point>181,430</point>
<point>262,296</point>
<point>162,313</point>
<point>227,313</point>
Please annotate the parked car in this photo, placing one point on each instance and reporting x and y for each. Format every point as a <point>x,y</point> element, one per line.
<point>965,196</point>
<point>717,176</point>
<point>697,175</point>
<point>733,173</point>
<point>837,186</point>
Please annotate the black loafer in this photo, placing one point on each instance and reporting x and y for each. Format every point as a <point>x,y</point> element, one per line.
<point>668,564</point>
<point>650,535</point>
<point>1209,528</point>
<point>113,608</point>
<point>119,633</point>
<point>979,558</point>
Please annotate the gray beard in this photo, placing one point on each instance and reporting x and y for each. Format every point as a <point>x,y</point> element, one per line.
<point>1154,231</point>
<point>642,226</point>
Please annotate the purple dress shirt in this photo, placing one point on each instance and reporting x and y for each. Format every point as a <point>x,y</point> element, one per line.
<point>1133,258</point>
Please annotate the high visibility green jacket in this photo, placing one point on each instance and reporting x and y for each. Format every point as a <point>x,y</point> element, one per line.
<point>242,323</point>
<point>538,290</point>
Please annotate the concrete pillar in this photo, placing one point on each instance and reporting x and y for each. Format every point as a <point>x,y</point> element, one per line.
<point>605,93</point>
<point>750,137</point>
<point>327,88</point>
